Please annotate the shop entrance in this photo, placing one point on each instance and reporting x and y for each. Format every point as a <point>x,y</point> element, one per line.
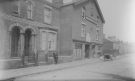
<point>87,50</point>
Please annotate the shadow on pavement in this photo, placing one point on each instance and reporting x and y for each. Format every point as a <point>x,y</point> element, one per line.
<point>123,78</point>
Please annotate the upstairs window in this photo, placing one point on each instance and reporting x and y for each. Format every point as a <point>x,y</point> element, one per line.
<point>83,30</point>
<point>83,12</point>
<point>97,35</point>
<point>47,15</point>
<point>16,9</point>
<point>29,9</point>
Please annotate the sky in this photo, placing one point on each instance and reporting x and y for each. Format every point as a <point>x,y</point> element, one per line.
<point>120,18</point>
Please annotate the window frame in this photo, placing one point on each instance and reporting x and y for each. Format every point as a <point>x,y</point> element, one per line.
<point>83,12</point>
<point>83,29</point>
<point>53,42</point>
<point>30,5</point>
<point>46,20</point>
<point>97,34</point>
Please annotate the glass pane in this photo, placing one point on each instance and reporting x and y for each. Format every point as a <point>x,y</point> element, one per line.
<point>47,15</point>
<point>43,40</point>
<point>52,41</point>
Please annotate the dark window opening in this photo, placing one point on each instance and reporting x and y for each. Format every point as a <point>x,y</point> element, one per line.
<point>15,38</point>
<point>27,47</point>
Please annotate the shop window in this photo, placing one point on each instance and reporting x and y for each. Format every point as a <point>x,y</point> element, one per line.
<point>52,41</point>
<point>77,50</point>
<point>44,40</point>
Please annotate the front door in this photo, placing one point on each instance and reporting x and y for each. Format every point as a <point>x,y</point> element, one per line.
<point>28,47</point>
<point>87,50</point>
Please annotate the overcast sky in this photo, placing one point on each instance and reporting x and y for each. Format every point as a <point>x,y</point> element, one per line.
<point>120,18</point>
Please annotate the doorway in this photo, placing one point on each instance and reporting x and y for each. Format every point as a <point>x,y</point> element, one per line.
<point>93,50</point>
<point>87,50</point>
<point>28,46</point>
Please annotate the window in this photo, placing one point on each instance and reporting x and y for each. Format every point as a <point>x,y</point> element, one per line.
<point>97,35</point>
<point>83,30</point>
<point>83,12</point>
<point>77,50</point>
<point>88,38</point>
<point>17,8</point>
<point>52,41</point>
<point>47,15</point>
<point>44,40</point>
<point>29,9</point>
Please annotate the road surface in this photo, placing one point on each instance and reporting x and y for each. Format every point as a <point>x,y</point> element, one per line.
<point>119,69</point>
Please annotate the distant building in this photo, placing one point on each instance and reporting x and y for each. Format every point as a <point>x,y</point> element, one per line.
<point>107,46</point>
<point>31,29</point>
<point>119,46</point>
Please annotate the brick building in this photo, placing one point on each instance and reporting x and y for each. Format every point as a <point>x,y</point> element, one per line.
<point>81,25</point>
<point>31,29</point>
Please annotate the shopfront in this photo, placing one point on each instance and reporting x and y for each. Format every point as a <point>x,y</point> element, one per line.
<point>48,44</point>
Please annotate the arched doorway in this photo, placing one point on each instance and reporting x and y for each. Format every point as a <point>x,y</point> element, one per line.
<point>28,45</point>
<point>15,42</point>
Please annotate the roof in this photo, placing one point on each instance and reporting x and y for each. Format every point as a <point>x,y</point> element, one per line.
<point>77,2</point>
<point>99,10</point>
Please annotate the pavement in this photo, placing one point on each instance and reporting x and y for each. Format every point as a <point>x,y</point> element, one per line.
<point>81,69</point>
<point>7,74</point>
<point>117,70</point>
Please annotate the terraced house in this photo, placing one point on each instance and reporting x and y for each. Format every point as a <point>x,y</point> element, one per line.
<point>31,30</point>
